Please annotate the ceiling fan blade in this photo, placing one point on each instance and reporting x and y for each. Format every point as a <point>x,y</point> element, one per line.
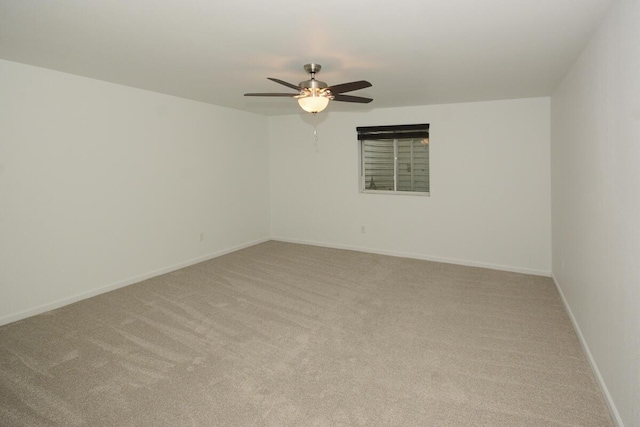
<point>282,82</point>
<point>272,94</point>
<point>348,87</point>
<point>350,98</point>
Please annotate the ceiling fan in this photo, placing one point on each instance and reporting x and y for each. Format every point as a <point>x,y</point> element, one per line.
<point>314,95</point>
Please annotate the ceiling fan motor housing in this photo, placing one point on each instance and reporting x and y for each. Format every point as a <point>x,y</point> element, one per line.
<point>312,84</point>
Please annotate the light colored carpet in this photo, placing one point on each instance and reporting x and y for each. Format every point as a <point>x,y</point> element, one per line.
<point>291,335</point>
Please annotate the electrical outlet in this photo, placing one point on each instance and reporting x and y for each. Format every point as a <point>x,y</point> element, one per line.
<point>201,237</point>
<point>363,229</point>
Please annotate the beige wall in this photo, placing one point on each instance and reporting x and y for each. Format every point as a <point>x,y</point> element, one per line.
<point>596,203</point>
<point>102,185</point>
<point>490,185</point>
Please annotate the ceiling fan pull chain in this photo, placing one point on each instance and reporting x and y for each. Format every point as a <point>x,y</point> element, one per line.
<point>315,126</point>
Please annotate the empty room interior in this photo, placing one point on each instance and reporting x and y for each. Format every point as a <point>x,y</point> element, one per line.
<point>173,252</point>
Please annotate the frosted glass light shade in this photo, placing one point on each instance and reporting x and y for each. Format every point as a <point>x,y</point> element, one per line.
<point>313,104</point>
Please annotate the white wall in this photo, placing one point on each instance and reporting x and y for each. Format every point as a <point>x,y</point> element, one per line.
<point>490,185</point>
<point>102,185</point>
<point>596,203</point>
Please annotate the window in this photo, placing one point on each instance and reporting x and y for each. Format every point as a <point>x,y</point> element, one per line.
<point>394,159</point>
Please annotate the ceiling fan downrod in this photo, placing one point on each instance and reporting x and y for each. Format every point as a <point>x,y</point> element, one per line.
<point>312,84</point>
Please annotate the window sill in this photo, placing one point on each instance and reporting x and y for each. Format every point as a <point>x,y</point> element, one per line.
<point>396,193</point>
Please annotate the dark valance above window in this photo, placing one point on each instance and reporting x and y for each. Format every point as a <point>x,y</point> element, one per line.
<point>370,133</point>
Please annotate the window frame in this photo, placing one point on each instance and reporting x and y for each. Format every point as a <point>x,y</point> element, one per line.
<point>393,135</point>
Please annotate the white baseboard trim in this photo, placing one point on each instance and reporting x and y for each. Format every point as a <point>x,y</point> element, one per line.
<point>122,283</point>
<point>594,367</point>
<point>419,256</point>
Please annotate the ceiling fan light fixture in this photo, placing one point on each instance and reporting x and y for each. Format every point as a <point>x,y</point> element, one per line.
<point>313,103</point>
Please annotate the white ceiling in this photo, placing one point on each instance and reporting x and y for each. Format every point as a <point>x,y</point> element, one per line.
<point>414,52</point>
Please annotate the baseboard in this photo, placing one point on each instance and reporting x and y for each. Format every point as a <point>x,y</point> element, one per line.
<point>135,279</point>
<point>419,256</point>
<point>122,283</point>
<point>605,391</point>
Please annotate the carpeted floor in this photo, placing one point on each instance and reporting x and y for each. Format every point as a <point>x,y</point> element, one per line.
<point>291,335</point>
